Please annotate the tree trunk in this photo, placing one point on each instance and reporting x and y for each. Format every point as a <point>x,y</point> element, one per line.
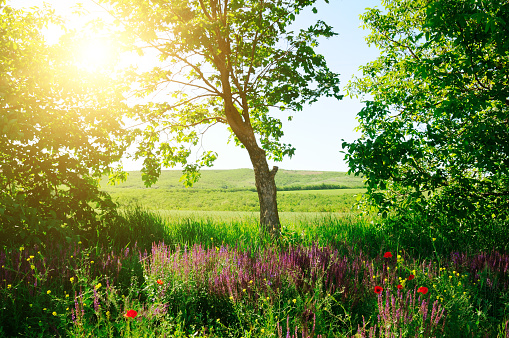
<point>267,193</point>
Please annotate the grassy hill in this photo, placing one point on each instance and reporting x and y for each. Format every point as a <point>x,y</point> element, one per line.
<point>243,179</point>
<point>234,190</point>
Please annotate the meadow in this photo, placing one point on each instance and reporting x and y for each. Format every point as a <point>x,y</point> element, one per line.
<point>183,273</point>
<point>234,190</point>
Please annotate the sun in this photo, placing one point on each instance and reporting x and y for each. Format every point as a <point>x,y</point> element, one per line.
<point>96,54</point>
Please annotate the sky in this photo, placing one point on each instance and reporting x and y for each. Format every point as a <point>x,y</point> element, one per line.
<point>317,131</point>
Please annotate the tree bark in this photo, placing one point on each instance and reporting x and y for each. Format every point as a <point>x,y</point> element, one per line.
<point>267,192</point>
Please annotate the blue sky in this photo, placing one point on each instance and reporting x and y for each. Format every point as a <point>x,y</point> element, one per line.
<point>315,132</point>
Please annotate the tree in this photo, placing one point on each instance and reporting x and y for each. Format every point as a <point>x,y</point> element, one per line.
<point>55,133</point>
<point>223,62</point>
<point>435,130</point>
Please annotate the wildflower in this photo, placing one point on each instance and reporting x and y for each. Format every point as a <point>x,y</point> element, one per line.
<point>91,262</point>
<point>251,282</point>
<point>433,239</point>
<point>400,286</point>
<point>48,292</point>
<point>32,267</point>
<point>423,290</point>
<point>30,305</point>
<point>387,255</point>
<point>131,314</point>
<point>21,248</point>
<point>71,279</point>
<point>160,282</point>
<point>66,295</point>
<point>97,286</point>
<point>411,277</point>
<point>44,309</point>
<point>54,313</point>
<point>262,330</point>
<point>243,290</point>
<point>108,315</point>
<point>378,289</point>
<point>294,301</point>
<point>9,286</point>
<point>268,298</point>
<point>231,297</point>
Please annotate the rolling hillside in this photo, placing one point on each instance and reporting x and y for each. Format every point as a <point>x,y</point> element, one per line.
<point>234,190</point>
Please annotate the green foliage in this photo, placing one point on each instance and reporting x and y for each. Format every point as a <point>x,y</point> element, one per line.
<point>219,62</point>
<point>55,134</point>
<point>435,137</point>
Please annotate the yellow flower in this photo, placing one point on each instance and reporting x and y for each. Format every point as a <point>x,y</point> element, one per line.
<point>268,298</point>
<point>91,262</point>
<point>48,292</point>
<point>388,268</point>
<point>32,267</point>
<point>262,330</point>
<point>31,257</point>
<point>250,282</point>
<point>108,315</point>
<point>21,248</point>
<point>30,305</point>
<point>66,295</point>
<point>44,309</point>
<point>54,313</point>
<point>71,279</point>
<point>9,286</point>
<point>66,309</point>
<point>231,297</point>
<point>97,286</point>
<point>433,239</point>
<point>294,301</point>
<point>243,290</point>
<point>79,242</point>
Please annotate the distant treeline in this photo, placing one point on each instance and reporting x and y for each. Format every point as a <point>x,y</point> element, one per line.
<point>322,186</point>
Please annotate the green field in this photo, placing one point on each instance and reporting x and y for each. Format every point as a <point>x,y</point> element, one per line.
<point>234,190</point>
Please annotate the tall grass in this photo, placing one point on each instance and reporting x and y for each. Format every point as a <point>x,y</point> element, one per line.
<point>188,276</point>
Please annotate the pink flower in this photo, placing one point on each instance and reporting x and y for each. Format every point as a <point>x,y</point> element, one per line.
<point>160,282</point>
<point>131,314</point>
<point>423,290</point>
<point>387,255</point>
<point>378,289</point>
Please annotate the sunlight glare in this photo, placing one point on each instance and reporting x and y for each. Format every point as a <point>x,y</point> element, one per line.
<point>95,55</point>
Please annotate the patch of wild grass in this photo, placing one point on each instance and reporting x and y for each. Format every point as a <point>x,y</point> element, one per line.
<point>155,277</point>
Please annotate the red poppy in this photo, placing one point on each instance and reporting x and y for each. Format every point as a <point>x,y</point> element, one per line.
<point>411,277</point>
<point>387,255</point>
<point>378,289</point>
<point>423,290</point>
<point>400,286</point>
<point>160,282</point>
<point>131,314</point>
